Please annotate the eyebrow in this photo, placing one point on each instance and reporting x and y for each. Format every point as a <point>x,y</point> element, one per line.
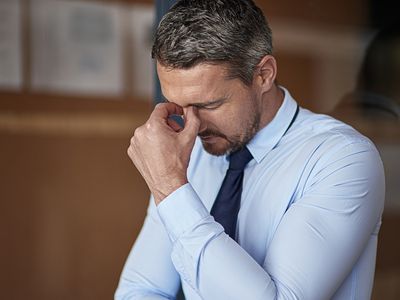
<point>211,102</point>
<point>205,104</point>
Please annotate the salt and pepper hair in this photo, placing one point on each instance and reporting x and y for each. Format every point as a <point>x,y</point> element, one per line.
<point>233,33</point>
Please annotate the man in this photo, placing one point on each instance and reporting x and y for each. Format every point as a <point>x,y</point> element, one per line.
<point>310,191</point>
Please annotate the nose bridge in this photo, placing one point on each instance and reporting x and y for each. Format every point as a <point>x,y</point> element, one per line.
<point>201,116</point>
<point>203,119</point>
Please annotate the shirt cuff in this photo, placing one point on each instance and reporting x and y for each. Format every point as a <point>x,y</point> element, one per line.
<point>181,211</point>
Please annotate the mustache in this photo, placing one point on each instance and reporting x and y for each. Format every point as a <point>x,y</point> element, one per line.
<point>211,132</point>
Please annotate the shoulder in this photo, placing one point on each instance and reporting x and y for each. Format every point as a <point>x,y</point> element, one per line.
<point>344,168</point>
<point>331,148</point>
<point>329,134</point>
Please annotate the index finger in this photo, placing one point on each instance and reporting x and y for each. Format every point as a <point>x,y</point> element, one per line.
<point>165,110</point>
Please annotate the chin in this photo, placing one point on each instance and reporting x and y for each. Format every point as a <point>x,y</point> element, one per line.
<point>216,149</point>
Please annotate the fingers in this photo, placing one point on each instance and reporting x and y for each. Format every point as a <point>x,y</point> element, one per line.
<point>174,125</point>
<point>131,149</point>
<point>164,110</point>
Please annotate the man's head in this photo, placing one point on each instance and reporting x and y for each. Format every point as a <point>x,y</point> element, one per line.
<point>232,32</point>
<point>216,55</point>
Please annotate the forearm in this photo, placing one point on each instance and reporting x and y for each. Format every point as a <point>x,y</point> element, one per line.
<point>210,262</point>
<point>226,271</point>
<point>131,291</point>
<point>148,272</point>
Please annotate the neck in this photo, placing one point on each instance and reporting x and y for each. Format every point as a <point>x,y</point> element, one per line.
<point>271,103</point>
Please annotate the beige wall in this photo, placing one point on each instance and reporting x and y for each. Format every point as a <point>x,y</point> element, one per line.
<point>71,206</point>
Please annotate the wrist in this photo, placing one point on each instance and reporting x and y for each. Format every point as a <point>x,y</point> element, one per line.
<point>161,193</point>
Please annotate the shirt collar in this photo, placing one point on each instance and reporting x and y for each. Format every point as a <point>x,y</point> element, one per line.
<point>269,136</point>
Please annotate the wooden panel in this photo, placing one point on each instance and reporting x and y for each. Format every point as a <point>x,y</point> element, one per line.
<point>324,13</point>
<point>71,208</point>
<point>297,73</point>
<point>387,276</point>
<point>51,102</point>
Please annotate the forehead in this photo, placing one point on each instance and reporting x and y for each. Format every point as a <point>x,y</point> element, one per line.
<point>201,83</point>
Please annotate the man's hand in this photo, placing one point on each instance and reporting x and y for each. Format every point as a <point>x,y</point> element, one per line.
<point>160,149</point>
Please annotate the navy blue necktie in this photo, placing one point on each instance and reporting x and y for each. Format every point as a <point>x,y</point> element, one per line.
<point>227,204</point>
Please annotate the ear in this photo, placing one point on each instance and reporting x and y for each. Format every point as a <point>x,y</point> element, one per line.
<point>266,73</point>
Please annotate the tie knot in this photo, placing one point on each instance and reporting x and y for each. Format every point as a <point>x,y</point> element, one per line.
<point>239,159</point>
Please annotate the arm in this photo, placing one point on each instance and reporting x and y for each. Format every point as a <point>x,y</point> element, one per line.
<point>318,242</point>
<point>148,272</point>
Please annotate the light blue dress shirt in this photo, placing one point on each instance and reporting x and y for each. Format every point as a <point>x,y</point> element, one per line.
<point>307,228</point>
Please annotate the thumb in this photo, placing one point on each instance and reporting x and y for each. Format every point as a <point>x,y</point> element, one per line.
<point>192,122</point>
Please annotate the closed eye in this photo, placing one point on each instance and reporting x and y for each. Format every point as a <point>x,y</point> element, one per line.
<point>211,105</point>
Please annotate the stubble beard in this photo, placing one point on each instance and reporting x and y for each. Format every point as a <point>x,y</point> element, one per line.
<point>234,143</point>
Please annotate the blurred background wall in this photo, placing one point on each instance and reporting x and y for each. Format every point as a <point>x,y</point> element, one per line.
<point>76,79</point>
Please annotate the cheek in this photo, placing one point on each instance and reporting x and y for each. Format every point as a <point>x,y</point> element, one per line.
<point>225,123</point>
<point>215,119</point>
<point>208,119</point>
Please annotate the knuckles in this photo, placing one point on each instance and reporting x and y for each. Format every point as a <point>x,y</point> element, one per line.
<point>133,138</point>
<point>129,151</point>
<point>138,133</point>
<point>149,126</point>
<point>159,105</point>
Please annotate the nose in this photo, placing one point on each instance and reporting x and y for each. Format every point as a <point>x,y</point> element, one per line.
<point>202,126</point>
<point>201,118</point>
<point>203,123</point>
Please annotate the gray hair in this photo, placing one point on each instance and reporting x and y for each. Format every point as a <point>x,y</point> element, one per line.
<point>230,32</point>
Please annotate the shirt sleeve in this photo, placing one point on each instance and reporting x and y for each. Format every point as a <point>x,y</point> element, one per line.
<point>148,272</point>
<point>323,234</point>
<point>317,243</point>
